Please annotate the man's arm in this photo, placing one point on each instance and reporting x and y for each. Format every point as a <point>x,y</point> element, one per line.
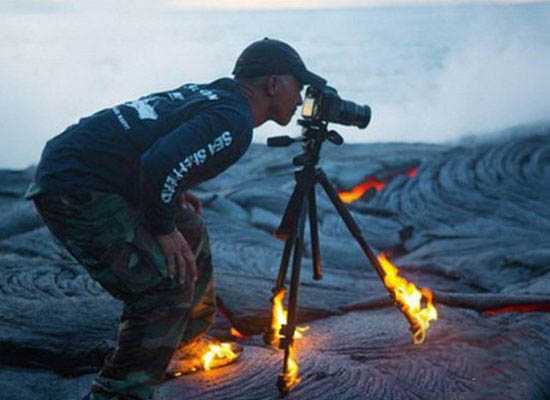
<point>199,149</point>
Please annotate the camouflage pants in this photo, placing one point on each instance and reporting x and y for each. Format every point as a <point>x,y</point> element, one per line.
<point>108,238</point>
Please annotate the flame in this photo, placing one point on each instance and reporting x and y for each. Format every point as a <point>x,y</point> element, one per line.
<point>217,351</point>
<point>371,182</point>
<point>292,375</point>
<point>235,333</point>
<point>279,317</point>
<point>410,300</point>
<point>298,333</point>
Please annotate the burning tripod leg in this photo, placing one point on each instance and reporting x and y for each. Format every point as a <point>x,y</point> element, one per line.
<point>290,376</point>
<point>282,335</point>
<point>404,293</point>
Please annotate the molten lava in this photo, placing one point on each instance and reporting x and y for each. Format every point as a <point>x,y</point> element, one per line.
<point>370,183</point>
<point>416,304</point>
<point>517,308</point>
<point>358,191</point>
<point>411,173</point>
<point>217,352</point>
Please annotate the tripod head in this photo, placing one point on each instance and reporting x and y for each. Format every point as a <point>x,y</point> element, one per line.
<point>314,134</point>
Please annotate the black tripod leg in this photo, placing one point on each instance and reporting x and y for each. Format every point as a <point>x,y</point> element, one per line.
<point>283,267</point>
<point>313,227</point>
<point>289,230</point>
<point>292,228</point>
<point>295,277</point>
<point>349,221</point>
<point>269,333</point>
<point>289,221</point>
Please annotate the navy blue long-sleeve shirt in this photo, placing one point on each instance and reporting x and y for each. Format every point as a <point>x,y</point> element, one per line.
<point>151,149</point>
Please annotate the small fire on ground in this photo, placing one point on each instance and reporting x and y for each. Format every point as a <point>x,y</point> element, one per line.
<point>215,355</point>
<point>371,182</point>
<point>222,351</point>
<point>415,303</point>
<point>279,317</point>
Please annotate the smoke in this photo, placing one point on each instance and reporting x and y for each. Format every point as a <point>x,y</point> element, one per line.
<point>61,64</point>
<point>57,68</point>
<point>489,85</point>
<point>495,78</point>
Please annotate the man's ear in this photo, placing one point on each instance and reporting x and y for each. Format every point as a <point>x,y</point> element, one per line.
<point>271,85</point>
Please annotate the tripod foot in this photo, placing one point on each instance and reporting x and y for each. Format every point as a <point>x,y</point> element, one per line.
<point>282,386</point>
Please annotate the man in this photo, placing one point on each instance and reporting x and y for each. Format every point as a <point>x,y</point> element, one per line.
<point>113,190</point>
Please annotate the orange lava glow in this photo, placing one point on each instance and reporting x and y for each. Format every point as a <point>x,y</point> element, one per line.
<point>217,352</point>
<point>371,182</point>
<point>411,173</point>
<point>416,304</point>
<point>517,308</point>
<point>358,191</point>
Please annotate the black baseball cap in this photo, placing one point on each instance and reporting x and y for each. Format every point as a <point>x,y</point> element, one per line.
<point>274,57</point>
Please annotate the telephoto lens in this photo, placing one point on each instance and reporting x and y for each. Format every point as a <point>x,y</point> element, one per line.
<point>349,113</point>
<point>345,112</point>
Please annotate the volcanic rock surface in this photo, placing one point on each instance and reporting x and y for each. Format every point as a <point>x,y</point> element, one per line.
<point>473,225</point>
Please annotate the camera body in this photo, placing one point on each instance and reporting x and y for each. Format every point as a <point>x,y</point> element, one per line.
<point>325,105</point>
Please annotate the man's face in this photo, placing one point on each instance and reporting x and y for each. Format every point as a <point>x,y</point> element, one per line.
<point>286,98</point>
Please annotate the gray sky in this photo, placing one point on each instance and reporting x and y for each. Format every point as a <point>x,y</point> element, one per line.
<point>270,4</point>
<point>469,69</point>
<point>69,5</point>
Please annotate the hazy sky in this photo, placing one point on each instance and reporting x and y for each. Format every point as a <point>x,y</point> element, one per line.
<point>308,3</point>
<point>429,73</point>
<point>68,5</point>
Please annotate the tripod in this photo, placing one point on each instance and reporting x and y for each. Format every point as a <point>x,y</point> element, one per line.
<point>302,203</point>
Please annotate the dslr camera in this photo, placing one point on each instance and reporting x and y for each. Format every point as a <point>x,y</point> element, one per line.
<point>325,105</point>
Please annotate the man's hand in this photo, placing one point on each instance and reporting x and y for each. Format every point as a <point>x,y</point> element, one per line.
<point>179,257</point>
<point>189,200</point>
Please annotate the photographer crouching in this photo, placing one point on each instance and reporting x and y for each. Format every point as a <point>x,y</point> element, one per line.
<point>113,189</point>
